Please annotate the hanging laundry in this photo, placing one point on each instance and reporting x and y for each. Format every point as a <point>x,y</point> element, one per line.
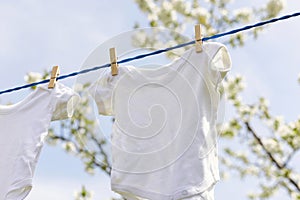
<point>23,128</point>
<point>164,134</point>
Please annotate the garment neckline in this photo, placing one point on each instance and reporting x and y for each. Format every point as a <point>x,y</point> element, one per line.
<point>166,72</point>
<point>9,109</point>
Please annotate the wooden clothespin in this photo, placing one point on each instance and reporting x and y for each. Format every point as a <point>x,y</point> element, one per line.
<point>54,74</point>
<point>113,61</point>
<point>198,39</point>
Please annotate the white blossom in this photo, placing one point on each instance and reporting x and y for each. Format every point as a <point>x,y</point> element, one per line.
<point>247,111</point>
<point>32,77</point>
<point>90,170</point>
<point>83,194</point>
<point>280,119</point>
<point>269,122</point>
<point>225,175</point>
<point>181,6</point>
<point>271,144</point>
<point>280,127</point>
<point>295,125</point>
<point>152,17</point>
<point>296,177</point>
<point>243,13</point>
<point>200,12</point>
<point>295,195</point>
<point>252,170</point>
<point>241,154</point>
<point>224,12</point>
<point>82,123</point>
<point>167,6</point>
<point>69,146</point>
<point>283,131</point>
<point>188,6</point>
<point>81,131</point>
<point>150,4</point>
<point>140,37</point>
<point>296,142</point>
<point>173,14</point>
<point>226,1</point>
<point>264,102</point>
<point>180,29</point>
<point>275,6</point>
<point>227,162</point>
<point>238,99</point>
<point>257,148</point>
<point>234,85</point>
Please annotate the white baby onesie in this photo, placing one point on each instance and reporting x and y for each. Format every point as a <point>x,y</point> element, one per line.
<point>23,127</point>
<point>164,135</point>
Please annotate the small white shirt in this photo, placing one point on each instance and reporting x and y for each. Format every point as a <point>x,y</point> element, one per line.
<point>23,127</point>
<point>164,135</point>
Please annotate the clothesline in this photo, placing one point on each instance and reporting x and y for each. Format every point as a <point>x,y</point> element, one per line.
<point>154,52</point>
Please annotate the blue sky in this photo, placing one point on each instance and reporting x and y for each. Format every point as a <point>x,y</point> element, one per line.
<point>35,35</point>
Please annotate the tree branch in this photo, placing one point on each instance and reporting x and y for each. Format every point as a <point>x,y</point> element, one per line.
<point>289,158</point>
<point>269,154</point>
<point>103,153</point>
<point>105,167</point>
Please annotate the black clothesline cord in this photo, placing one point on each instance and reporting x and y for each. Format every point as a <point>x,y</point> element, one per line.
<point>155,52</point>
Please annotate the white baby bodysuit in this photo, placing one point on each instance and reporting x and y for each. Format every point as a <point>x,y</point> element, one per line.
<point>164,135</point>
<point>23,127</point>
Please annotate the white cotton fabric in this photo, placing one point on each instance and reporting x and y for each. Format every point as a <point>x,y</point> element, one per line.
<point>23,128</point>
<point>164,135</point>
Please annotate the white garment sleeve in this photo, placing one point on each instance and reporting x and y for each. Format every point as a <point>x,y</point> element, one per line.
<point>102,90</point>
<point>66,100</point>
<point>220,63</point>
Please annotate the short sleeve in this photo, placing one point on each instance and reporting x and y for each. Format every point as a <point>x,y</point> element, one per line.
<point>101,91</point>
<point>66,100</point>
<point>220,62</point>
